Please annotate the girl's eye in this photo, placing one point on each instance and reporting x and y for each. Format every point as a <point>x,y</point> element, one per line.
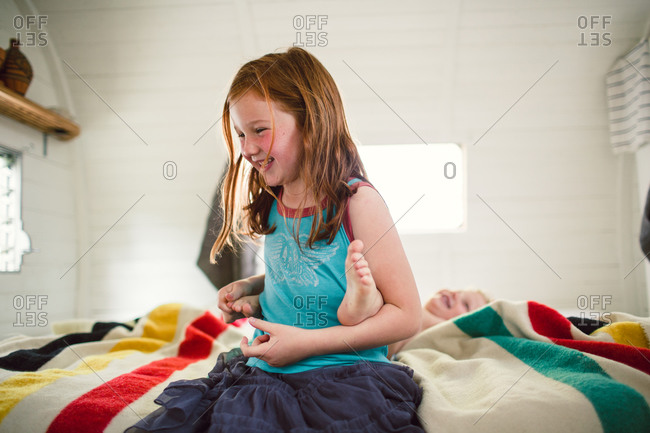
<point>259,130</point>
<point>240,135</point>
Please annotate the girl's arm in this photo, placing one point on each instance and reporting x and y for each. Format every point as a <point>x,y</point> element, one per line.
<point>390,269</point>
<point>399,318</point>
<point>256,284</point>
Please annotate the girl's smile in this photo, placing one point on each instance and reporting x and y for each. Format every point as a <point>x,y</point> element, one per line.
<point>261,165</point>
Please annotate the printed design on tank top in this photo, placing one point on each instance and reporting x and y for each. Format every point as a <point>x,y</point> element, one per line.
<point>297,266</point>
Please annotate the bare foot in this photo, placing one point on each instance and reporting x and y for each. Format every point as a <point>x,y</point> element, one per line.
<point>362,299</point>
<point>247,306</point>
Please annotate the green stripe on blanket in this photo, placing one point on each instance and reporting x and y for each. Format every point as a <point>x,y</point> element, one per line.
<point>629,412</point>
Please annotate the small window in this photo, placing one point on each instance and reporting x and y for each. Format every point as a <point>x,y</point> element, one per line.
<point>424,186</point>
<point>14,242</point>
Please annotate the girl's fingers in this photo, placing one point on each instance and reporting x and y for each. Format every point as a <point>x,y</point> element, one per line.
<point>257,348</point>
<point>261,339</point>
<point>262,325</point>
<point>224,298</point>
<point>243,345</point>
<point>227,298</point>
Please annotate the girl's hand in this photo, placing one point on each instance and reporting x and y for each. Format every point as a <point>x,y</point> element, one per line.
<point>282,345</point>
<point>239,299</point>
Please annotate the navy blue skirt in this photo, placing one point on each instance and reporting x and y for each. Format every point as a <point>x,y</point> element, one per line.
<point>364,397</point>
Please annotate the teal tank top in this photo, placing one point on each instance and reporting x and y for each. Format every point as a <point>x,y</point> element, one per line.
<point>304,288</point>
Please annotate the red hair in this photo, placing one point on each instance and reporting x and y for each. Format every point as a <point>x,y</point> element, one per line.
<point>300,85</point>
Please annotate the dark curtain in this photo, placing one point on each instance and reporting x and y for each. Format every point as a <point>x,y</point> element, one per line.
<point>645,228</point>
<point>233,264</point>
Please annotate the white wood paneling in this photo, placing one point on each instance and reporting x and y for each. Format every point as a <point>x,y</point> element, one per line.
<point>48,204</point>
<point>451,70</point>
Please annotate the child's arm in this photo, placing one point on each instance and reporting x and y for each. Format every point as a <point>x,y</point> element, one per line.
<point>233,297</point>
<point>399,317</point>
<point>428,320</point>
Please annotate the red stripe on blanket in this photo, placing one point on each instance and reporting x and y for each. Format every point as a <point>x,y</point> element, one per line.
<point>553,325</point>
<point>93,411</point>
<point>199,336</point>
<point>548,322</point>
<point>635,357</point>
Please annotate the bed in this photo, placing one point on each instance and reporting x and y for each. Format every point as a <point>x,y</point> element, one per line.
<point>508,367</point>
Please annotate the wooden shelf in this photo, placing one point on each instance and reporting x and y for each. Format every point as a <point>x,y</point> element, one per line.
<point>30,113</point>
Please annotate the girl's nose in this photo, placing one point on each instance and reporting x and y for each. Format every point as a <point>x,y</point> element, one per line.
<point>248,148</point>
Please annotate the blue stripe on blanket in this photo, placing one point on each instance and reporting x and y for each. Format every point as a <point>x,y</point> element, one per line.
<point>620,408</point>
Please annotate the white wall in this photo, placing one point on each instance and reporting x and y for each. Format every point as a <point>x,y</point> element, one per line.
<point>49,206</point>
<point>160,92</point>
<point>154,78</point>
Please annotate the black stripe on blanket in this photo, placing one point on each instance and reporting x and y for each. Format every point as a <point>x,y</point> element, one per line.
<point>33,359</point>
<point>586,325</point>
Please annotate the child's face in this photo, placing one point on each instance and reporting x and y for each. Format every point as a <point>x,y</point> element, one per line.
<point>447,304</point>
<point>252,121</point>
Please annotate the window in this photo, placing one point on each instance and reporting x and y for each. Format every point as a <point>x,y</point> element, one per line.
<point>424,186</point>
<point>14,242</point>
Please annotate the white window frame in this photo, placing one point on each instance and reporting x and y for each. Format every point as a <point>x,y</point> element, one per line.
<point>14,242</point>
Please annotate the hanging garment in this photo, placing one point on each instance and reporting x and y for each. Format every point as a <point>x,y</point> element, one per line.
<point>628,100</point>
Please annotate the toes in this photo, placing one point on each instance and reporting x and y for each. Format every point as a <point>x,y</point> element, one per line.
<point>360,263</point>
<point>356,246</point>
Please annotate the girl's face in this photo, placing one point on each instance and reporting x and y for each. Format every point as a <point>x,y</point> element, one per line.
<point>252,121</point>
<point>447,304</point>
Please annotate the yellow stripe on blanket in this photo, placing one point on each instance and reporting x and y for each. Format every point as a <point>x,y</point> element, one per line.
<point>158,330</point>
<point>17,387</point>
<point>628,333</point>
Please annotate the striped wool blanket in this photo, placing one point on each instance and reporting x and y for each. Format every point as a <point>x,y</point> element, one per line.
<point>106,377</point>
<point>509,367</point>
<point>523,367</point>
